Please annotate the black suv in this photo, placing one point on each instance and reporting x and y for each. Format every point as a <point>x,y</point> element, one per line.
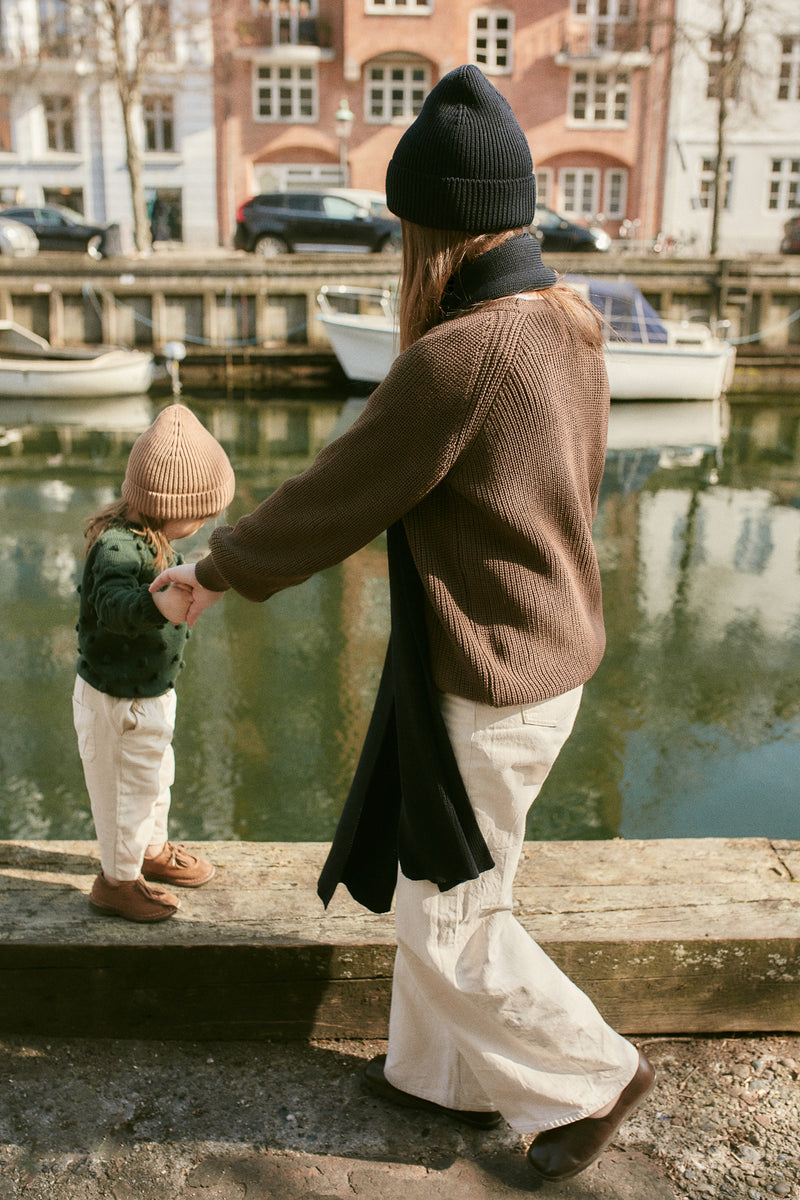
<point>287,222</point>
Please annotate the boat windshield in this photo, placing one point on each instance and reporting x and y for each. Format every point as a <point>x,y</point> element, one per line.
<point>628,316</point>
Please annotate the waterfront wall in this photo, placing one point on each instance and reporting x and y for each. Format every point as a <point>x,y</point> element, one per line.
<point>244,307</point>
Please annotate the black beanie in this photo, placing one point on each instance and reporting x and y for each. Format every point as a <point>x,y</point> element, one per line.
<point>464,164</point>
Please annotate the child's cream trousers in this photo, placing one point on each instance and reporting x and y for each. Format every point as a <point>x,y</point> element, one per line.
<point>481,1018</point>
<point>129,766</point>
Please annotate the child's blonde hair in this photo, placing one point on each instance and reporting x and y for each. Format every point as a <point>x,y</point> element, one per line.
<point>119,514</point>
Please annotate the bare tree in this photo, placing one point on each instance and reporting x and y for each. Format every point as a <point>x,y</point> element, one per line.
<point>126,39</point>
<point>722,35</point>
<point>727,85</point>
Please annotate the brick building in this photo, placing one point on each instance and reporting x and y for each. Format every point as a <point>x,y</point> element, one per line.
<point>588,80</point>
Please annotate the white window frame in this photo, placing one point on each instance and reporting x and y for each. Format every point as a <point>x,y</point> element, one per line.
<point>705,189</point>
<point>54,28</point>
<point>615,193</point>
<point>579,191</point>
<point>789,75</point>
<point>285,85</point>
<point>398,8</point>
<point>60,117</point>
<point>496,55</point>
<point>601,91</point>
<point>544,187</point>
<point>783,192</point>
<point>397,100</point>
<point>158,113</point>
<point>604,10</point>
<point>285,13</point>
<point>602,17</point>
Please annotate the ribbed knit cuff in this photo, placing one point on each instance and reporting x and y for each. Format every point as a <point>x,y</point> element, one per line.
<point>209,577</point>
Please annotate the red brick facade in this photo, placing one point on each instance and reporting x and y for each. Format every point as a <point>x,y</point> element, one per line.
<point>588,80</point>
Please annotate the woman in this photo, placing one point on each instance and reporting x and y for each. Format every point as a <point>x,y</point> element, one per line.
<point>481,453</point>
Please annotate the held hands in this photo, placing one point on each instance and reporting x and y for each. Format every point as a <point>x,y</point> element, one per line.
<point>190,597</point>
<point>173,602</point>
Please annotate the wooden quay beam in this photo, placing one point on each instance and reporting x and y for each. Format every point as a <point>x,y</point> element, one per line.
<point>676,936</point>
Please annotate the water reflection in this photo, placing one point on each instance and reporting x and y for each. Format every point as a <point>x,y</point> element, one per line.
<point>691,727</point>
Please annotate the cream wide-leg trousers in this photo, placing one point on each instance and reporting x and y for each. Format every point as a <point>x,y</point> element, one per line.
<point>129,767</point>
<point>481,1018</point>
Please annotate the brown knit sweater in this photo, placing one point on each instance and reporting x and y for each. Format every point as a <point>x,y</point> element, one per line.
<point>488,438</point>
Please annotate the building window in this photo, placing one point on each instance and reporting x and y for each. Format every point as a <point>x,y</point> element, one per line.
<point>721,56</point>
<point>293,21</point>
<point>399,7</point>
<point>5,124</point>
<point>600,97</point>
<point>580,191</point>
<point>54,29</point>
<point>286,93</point>
<point>616,194</point>
<point>784,184</point>
<point>157,26</point>
<point>789,79</point>
<point>706,196</point>
<point>604,10</point>
<point>544,187</point>
<point>602,16</point>
<point>59,119</point>
<point>491,40</point>
<point>395,91</point>
<point>159,122</point>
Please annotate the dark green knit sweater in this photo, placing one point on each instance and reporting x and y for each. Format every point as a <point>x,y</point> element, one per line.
<point>126,647</point>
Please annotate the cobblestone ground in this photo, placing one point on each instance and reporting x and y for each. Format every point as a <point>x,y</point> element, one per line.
<point>725,1117</point>
<point>139,1120</point>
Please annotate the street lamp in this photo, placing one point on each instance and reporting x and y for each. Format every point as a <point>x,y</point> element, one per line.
<point>344,123</point>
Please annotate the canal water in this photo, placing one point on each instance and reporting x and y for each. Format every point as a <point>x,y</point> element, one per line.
<point>691,727</point>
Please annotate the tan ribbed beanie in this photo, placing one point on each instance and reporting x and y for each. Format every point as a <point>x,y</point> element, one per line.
<point>177,470</point>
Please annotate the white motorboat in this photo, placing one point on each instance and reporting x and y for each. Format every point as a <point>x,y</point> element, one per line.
<point>30,367</point>
<point>648,358</point>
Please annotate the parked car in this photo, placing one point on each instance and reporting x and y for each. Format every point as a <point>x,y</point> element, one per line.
<point>790,242</point>
<point>60,228</point>
<point>557,233</point>
<point>16,239</point>
<point>287,222</point>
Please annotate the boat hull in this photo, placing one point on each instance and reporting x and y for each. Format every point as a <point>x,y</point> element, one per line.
<point>660,372</point>
<point>112,373</point>
<point>366,346</point>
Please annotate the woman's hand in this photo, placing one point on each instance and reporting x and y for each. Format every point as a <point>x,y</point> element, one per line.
<point>200,598</point>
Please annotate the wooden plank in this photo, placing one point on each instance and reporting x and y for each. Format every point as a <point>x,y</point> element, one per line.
<point>679,936</point>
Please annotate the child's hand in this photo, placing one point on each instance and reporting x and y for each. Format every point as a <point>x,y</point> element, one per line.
<point>173,602</point>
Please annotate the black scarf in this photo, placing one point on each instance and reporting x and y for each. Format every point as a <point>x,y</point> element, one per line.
<point>513,266</point>
<point>407,802</point>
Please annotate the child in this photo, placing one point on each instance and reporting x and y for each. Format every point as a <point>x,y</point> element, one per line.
<point>131,646</point>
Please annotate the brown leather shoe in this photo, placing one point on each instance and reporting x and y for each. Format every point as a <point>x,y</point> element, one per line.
<point>381,1086</point>
<point>132,899</point>
<point>177,866</point>
<point>561,1153</point>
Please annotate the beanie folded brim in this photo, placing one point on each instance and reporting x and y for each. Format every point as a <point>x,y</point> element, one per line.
<point>469,205</point>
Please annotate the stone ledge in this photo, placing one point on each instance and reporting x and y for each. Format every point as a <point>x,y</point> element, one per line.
<point>674,936</point>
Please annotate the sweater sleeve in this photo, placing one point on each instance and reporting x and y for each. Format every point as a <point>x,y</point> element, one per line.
<point>122,602</point>
<point>413,428</point>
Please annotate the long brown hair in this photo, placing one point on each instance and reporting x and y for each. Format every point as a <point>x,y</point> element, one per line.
<point>431,256</point>
<point>119,513</point>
